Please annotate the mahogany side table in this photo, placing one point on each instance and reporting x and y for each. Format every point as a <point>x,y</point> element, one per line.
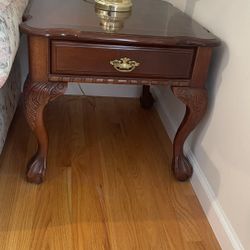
<point>156,44</point>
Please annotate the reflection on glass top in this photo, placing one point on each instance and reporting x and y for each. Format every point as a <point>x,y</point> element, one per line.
<point>148,18</point>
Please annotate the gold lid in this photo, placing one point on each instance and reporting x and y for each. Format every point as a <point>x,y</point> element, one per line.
<point>114,5</point>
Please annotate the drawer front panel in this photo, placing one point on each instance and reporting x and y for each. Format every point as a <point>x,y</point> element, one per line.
<point>72,58</point>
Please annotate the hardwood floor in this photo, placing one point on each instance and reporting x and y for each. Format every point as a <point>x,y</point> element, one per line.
<point>108,184</point>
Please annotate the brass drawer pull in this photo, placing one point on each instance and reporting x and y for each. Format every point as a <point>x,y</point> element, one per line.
<point>124,64</point>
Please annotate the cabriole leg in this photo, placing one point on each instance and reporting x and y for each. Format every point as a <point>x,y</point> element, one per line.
<point>36,97</point>
<point>146,100</point>
<point>195,100</point>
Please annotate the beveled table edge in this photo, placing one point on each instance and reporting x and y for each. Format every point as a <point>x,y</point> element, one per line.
<point>102,37</point>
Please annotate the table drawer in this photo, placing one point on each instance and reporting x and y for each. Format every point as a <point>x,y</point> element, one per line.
<point>73,58</point>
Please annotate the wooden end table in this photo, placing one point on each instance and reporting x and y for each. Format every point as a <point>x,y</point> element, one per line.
<point>156,44</point>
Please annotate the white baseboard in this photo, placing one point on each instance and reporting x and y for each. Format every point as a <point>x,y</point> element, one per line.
<point>219,222</point>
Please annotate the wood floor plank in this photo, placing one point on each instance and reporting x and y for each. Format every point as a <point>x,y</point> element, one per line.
<point>108,186</point>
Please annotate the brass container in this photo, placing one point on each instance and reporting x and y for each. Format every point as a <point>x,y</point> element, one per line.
<point>111,21</point>
<point>114,5</point>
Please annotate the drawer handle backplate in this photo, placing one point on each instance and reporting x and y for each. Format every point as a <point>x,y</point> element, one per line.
<point>124,64</point>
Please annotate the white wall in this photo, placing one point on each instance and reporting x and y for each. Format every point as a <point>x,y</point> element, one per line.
<point>104,90</point>
<point>220,147</point>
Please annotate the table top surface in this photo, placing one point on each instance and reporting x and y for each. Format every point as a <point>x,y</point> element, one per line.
<point>148,19</point>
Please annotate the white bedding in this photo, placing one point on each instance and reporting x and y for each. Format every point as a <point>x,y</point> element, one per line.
<point>9,96</point>
<point>11,12</point>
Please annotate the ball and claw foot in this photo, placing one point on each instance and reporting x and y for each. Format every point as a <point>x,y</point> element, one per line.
<point>36,170</point>
<point>182,168</point>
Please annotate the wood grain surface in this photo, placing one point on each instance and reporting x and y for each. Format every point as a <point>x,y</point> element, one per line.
<point>107,186</point>
<point>75,58</point>
<point>77,19</point>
